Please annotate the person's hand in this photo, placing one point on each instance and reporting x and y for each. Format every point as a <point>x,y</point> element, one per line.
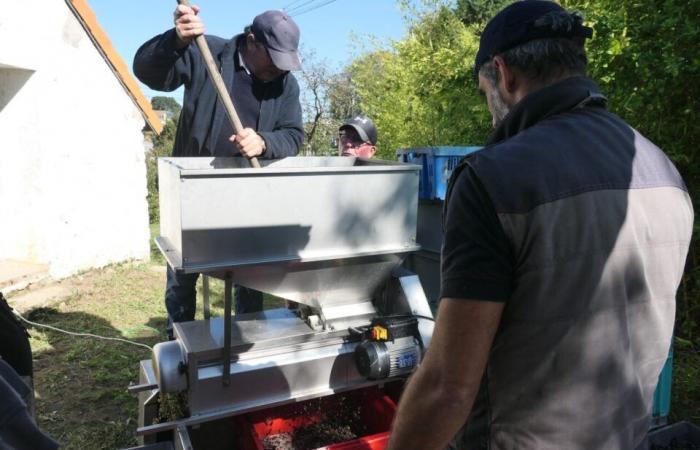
<point>187,24</point>
<point>249,142</point>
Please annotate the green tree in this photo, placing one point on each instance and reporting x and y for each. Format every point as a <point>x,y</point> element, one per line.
<point>318,127</point>
<point>421,91</point>
<point>163,103</point>
<point>162,146</point>
<point>478,12</point>
<point>343,99</point>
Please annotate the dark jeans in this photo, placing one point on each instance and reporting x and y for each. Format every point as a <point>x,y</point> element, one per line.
<point>181,298</point>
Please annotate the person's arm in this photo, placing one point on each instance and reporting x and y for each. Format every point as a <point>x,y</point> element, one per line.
<point>164,63</point>
<point>476,282</point>
<point>160,65</point>
<point>288,134</point>
<point>439,396</point>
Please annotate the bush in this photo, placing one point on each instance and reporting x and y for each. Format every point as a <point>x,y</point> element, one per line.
<point>162,146</point>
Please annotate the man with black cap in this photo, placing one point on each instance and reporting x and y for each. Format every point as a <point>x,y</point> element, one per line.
<point>358,137</point>
<point>564,244</point>
<point>255,66</point>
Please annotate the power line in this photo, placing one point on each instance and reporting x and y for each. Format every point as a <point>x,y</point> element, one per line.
<point>289,5</point>
<point>301,5</point>
<point>312,8</point>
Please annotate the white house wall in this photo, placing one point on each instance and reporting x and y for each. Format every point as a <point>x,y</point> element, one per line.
<point>73,183</point>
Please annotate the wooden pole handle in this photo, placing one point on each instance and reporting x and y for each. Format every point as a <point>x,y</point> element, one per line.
<point>219,85</point>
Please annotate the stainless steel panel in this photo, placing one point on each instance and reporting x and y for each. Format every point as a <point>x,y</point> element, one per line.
<point>169,188</point>
<point>276,357</point>
<point>276,379</point>
<point>417,303</point>
<point>292,209</point>
<point>429,231</point>
<point>321,284</point>
<point>266,329</point>
<point>182,439</point>
<point>148,400</point>
<point>217,215</point>
<point>426,265</point>
<point>426,262</point>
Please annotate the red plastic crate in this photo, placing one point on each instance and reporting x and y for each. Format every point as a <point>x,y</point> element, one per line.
<point>376,413</point>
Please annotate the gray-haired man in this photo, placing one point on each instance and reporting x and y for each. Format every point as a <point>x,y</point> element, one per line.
<point>565,241</point>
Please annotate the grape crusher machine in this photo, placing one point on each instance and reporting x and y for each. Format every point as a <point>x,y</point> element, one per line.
<point>329,233</point>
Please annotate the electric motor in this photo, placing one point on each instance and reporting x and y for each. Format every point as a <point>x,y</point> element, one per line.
<point>378,360</point>
<point>391,348</point>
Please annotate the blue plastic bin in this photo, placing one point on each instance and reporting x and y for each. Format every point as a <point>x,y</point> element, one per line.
<point>437,164</point>
<point>662,395</point>
<point>420,160</point>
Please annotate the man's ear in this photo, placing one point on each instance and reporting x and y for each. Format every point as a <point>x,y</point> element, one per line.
<point>506,77</point>
<point>250,39</point>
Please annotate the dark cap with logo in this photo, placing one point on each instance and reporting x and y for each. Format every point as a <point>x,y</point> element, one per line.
<point>524,21</point>
<point>280,35</point>
<point>364,127</point>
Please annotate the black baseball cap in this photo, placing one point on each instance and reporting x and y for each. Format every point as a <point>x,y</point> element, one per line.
<point>519,23</point>
<point>364,127</point>
<point>280,35</point>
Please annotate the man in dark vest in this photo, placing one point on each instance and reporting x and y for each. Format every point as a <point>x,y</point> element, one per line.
<point>255,66</point>
<point>564,244</point>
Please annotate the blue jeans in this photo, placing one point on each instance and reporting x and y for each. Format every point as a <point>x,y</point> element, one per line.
<point>181,298</point>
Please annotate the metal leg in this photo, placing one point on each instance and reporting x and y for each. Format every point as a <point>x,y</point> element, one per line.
<point>183,439</point>
<point>228,287</point>
<point>205,294</point>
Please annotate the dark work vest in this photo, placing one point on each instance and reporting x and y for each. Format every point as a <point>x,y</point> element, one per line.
<point>599,221</point>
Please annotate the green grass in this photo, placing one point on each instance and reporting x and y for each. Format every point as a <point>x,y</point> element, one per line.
<point>156,255</point>
<point>81,382</point>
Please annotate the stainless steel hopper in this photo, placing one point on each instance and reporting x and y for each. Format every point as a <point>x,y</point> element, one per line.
<point>323,231</point>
